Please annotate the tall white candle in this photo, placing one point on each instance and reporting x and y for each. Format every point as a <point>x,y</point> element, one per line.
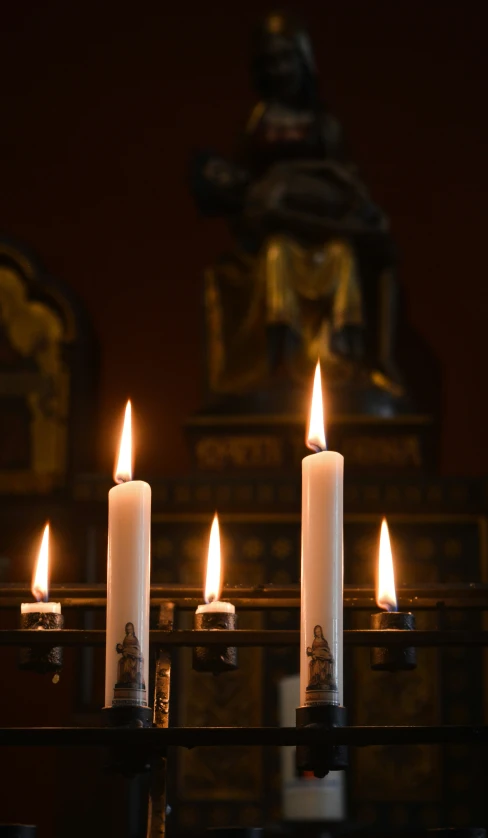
<point>40,583</point>
<point>321,662</point>
<point>128,582</point>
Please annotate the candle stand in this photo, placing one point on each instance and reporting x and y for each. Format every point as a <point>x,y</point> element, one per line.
<point>43,658</point>
<point>212,658</point>
<point>320,760</point>
<point>389,657</point>
<point>321,735</point>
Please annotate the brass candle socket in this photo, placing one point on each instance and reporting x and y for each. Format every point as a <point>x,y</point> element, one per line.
<point>321,760</point>
<point>393,658</point>
<point>215,659</point>
<point>42,658</point>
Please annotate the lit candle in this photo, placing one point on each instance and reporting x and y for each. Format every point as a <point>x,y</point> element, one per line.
<point>40,583</point>
<point>213,579</point>
<point>385,577</point>
<point>321,667</point>
<point>391,658</point>
<point>128,582</point>
<point>42,615</point>
<point>214,615</point>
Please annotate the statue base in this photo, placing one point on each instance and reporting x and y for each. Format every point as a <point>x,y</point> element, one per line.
<point>241,443</point>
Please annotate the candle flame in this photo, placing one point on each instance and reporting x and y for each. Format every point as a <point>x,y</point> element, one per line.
<point>213,581</point>
<point>385,587</point>
<point>316,433</point>
<point>40,585</point>
<point>123,469</point>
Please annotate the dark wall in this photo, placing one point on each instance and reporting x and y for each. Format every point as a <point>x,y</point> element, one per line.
<point>101,105</point>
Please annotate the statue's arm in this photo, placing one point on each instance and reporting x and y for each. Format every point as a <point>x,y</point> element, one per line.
<point>218,185</point>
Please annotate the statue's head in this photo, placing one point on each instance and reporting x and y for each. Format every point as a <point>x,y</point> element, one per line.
<point>282,60</point>
<point>129,628</point>
<point>317,633</point>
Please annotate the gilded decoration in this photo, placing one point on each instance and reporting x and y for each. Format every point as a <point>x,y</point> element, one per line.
<point>34,388</point>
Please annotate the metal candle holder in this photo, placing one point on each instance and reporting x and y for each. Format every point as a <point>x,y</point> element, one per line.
<point>319,730</point>
<point>454,832</point>
<point>215,659</point>
<point>43,658</point>
<point>320,759</point>
<point>393,658</point>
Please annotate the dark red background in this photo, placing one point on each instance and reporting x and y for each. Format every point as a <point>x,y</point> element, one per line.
<point>102,104</point>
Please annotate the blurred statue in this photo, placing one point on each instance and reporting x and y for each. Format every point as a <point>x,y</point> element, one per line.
<point>309,244</point>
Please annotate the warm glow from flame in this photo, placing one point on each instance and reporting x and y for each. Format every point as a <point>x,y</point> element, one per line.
<point>40,584</point>
<point>213,584</point>
<point>123,469</point>
<point>385,586</point>
<point>316,433</point>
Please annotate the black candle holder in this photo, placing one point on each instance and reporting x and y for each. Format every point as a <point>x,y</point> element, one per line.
<point>234,832</point>
<point>321,760</point>
<point>393,658</point>
<point>215,658</point>
<point>42,658</point>
<point>457,832</point>
<point>125,761</point>
<point>130,716</point>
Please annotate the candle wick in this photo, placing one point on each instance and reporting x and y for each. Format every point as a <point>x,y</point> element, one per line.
<point>316,448</point>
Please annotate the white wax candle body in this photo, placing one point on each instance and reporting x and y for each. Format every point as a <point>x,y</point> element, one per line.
<point>40,607</point>
<point>216,607</point>
<point>321,666</point>
<point>128,594</point>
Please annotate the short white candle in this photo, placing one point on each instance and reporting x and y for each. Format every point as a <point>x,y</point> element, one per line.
<point>216,607</point>
<point>40,583</point>
<point>128,583</point>
<point>40,608</point>
<point>213,578</point>
<point>321,660</point>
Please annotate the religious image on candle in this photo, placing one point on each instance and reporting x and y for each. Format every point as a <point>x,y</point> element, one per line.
<point>128,582</point>
<point>321,667</point>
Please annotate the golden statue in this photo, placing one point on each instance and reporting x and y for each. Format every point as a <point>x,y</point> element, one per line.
<point>36,380</point>
<point>307,239</point>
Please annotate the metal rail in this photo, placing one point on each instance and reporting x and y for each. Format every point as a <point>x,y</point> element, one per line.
<point>246,637</point>
<point>191,737</point>
<point>422,596</point>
